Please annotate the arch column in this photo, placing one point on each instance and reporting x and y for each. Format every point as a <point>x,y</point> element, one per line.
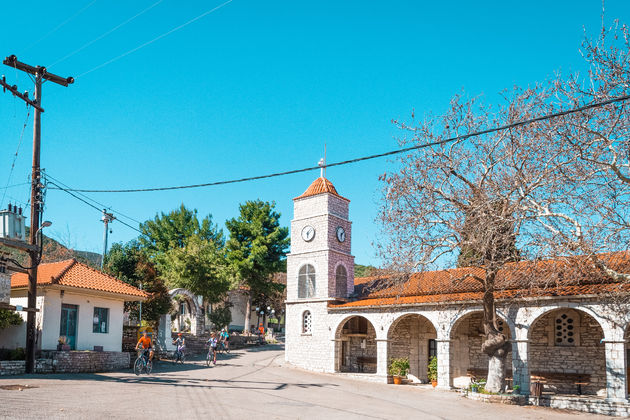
<point>381,356</point>
<point>615,370</point>
<point>520,365</point>
<point>444,363</point>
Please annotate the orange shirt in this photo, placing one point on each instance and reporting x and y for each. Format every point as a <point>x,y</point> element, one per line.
<point>145,341</point>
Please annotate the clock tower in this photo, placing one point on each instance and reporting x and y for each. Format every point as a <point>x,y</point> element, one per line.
<point>320,266</point>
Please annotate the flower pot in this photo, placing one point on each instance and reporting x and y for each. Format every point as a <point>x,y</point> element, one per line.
<point>433,384</point>
<point>390,379</point>
<point>474,388</point>
<point>398,380</point>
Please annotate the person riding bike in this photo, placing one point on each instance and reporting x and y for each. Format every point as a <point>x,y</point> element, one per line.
<point>145,343</point>
<point>225,337</point>
<point>180,343</point>
<point>213,342</point>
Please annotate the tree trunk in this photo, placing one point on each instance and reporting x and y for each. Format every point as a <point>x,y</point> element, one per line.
<point>248,312</point>
<point>495,345</point>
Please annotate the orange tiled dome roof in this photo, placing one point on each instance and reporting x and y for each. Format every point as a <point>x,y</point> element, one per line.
<point>320,186</point>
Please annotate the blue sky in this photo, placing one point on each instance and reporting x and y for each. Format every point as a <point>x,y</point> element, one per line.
<point>257,87</point>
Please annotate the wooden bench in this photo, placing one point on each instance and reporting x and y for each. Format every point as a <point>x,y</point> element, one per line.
<point>577,379</point>
<point>364,360</point>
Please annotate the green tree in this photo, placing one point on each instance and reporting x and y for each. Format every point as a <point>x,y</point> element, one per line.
<point>198,266</point>
<point>9,318</point>
<point>130,264</point>
<point>172,230</point>
<point>256,249</point>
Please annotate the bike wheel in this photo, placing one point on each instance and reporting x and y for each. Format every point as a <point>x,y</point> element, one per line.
<point>137,366</point>
<point>227,349</point>
<point>182,359</point>
<point>149,367</point>
<point>208,360</point>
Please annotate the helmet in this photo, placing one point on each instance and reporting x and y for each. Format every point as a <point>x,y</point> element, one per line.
<point>179,334</point>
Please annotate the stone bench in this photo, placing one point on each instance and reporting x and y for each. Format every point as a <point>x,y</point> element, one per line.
<point>578,379</point>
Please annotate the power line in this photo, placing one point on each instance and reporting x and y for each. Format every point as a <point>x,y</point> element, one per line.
<point>49,177</point>
<point>17,151</point>
<point>56,28</point>
<point>98,38</point>
<point>156,38</point>
<point>91,205</point>
<point>379,155</point>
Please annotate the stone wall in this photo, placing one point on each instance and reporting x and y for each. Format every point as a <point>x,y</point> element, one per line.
<point>5,288</point>
<point>70,362</point>
<point>586,356</point>
<point>410,338</point>
<point>359,345</point>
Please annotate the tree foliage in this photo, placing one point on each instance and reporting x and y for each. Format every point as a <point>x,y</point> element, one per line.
<point>257,246</point>
<point>130,264</point>
<point>221,315</point>
<point>9,318</point>
<point>188,253</point>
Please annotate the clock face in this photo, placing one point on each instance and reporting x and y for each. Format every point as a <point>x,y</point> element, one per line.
<point>308,233</point>
<point>341,234</point>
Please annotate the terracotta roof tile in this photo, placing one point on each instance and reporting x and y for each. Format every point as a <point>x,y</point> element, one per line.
<point>72,273</point>
<point>320,186</point>
<point>566,277</point>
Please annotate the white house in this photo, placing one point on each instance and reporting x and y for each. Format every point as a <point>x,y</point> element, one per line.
<point>77,303</point>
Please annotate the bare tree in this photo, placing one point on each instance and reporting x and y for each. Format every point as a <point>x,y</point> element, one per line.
<point>475,201</point>
<point>598,211</point>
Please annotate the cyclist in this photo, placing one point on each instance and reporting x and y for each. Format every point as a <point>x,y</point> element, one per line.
<point>225,337</point>
<point>213,342</point>
<point>180,343</point>
<point>145,343</point>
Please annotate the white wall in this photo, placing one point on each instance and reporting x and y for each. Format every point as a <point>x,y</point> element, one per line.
<point>86,339</point>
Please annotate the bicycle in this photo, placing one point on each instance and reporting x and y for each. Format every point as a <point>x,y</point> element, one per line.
<point>143,363</point>
<point>222,348</point>
<point>210,356</point>
<point>179,355</point>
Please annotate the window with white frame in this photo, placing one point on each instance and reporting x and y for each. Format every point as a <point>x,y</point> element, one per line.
<point>306,281</point>
<point>341,281</point>
<point>307,322</point>
<point>100,323</point>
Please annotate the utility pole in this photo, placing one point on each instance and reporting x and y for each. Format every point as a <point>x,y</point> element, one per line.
<point>41,75</point>
<point>107,219</point>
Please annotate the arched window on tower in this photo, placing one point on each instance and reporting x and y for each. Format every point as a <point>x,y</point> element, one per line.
<point>341,281</point>
<point>306,281</point>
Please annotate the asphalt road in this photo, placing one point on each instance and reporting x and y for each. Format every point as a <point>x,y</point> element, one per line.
<point>247,384</point>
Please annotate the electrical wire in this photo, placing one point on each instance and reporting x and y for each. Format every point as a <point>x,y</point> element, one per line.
<point>90,204</point>
<point>204,14</point>
<point>98,38</point>
<point>364,158</point>
<point>103,206</point>
<point>28,114</point>
<point>56,28</point>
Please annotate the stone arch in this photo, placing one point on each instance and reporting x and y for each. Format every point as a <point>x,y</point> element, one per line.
<point>579,350</point>
<point>196,313</point>
<point>466,336</point>
<point>536,313</point>
<point>413,336</point>
<point>452,323</point>
<point>355,345</point>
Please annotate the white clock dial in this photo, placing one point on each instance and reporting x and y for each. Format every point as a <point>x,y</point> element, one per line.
<point>341,234</point>
<point>308,233</point>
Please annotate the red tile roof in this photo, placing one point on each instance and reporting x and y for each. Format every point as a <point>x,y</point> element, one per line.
<point>72,273</point>
<point>320,186</point>
<point>569,277</point>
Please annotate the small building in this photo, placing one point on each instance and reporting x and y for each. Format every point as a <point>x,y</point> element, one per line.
<point>77,304</point>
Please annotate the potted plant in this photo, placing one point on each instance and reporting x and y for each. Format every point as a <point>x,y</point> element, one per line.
<point>398,368</point>
<point>432,371</point>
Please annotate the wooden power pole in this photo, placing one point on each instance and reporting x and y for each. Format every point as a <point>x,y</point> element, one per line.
<point>41,75</point>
